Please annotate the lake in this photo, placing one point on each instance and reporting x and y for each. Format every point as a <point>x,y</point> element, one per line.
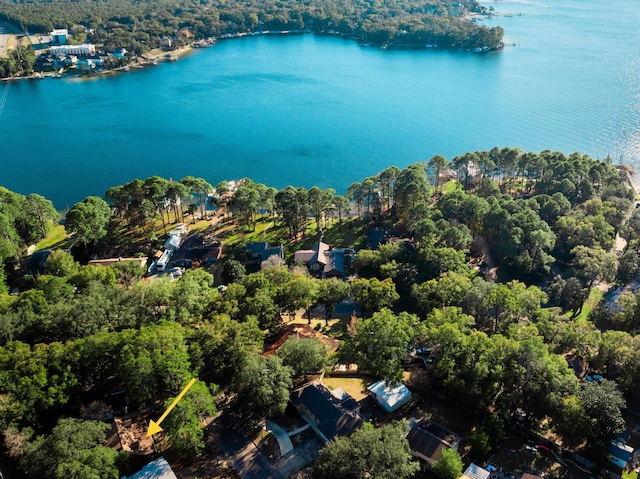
<point>315,110</point>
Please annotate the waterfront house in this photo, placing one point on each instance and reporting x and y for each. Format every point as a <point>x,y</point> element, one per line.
<point>325,261</point>
<point>165,42</point>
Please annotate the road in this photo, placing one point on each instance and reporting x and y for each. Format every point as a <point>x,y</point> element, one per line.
<point>248,461</point>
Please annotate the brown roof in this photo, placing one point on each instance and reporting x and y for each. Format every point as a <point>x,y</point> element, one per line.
<point>428,438</point>
<point>302,331</point>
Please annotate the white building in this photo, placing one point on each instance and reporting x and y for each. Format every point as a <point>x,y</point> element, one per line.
<point>391,398</point>
<point>85,49</point>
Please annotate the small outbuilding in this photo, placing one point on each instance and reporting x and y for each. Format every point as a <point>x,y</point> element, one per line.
<point>158,469</point>
<point>390,397</point>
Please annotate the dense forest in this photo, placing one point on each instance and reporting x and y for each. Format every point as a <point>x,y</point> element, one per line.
<point>547,221</point>
<point>139,26</point>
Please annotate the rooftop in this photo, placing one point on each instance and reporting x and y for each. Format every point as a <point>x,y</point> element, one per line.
<point>158,469</point>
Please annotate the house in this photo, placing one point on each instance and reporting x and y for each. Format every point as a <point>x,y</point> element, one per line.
<point>325,261</point>
<point>38,261</point>
<point>59,36</point>
<point>475,472</point>
<point>619,453</point>
<point>427,439</point>
<point>119,53</point>
<point>302,331</point>
<point>165,42</point>
<point>261,250</point>
<point>391,398</point>
<point>329,413</point>
<point>158,469</point>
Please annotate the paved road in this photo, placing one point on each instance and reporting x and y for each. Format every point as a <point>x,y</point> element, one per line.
<point>247,459</point>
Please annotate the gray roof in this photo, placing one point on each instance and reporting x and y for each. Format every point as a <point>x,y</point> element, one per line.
<point>334,416</point>
<point>158,469</point>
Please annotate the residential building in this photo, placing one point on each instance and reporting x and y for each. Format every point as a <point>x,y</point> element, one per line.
<point>390,397</point>
<point>261,250</point>
<point>84,50</point>
<point>427,439</point>
<point>165,42</point>
<point>475,472</point>
<point>329,413</point>
<point>325,261</point>
<point>59,36</point>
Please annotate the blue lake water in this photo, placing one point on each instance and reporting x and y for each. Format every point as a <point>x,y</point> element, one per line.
<point>307,110</point>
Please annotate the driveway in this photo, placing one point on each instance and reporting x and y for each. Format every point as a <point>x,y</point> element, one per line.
<point>248,461</point>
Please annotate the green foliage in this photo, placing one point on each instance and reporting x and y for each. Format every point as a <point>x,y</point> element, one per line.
<point>88,219</point>
<point>382,453</point>
<point>603,404</point>
<point>232,271</point>
<point>381,342</point>
<point>61,263</point>
<point>303,356</point>
<point>183,425</point>
<point>449,466</point>
<point>262,386</point>
<point>374,294</point>
<point>154,359</point>
<point>73,449</point>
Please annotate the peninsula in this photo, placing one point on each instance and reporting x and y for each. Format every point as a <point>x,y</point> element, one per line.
<point>124,30</point>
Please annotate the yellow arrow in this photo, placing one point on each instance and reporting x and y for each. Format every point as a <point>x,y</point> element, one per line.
<point>154,427</point>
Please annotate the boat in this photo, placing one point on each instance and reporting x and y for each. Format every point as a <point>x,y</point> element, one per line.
<point>154,62</point>
<point>126,68</point>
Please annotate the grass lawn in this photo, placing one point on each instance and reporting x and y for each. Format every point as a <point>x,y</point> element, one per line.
<point>55,239</point>
<point>348,234</point>
<point>595,296</point>
<point>629,475</point>
<point>355,387</point>
<point>450,185</point>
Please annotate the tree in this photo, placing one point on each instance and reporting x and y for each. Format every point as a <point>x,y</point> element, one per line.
<point>262,386</point>
<point>603,404</point>
<point>593,263</point>
<point>60,263</point>
<point>184,424</point>
<point>88,219</point>
<point>200,188</point>
<point>438,164</point>
<point>628,266</point>
<point>303,356</point>
<point>381,453</point>
<point>298,293</point>
<point>232,271</point>
<point>449,466</point>
<point>381,342</point>
<point>73,449</point>
<point>374,294</point>
<point>330,292</point>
